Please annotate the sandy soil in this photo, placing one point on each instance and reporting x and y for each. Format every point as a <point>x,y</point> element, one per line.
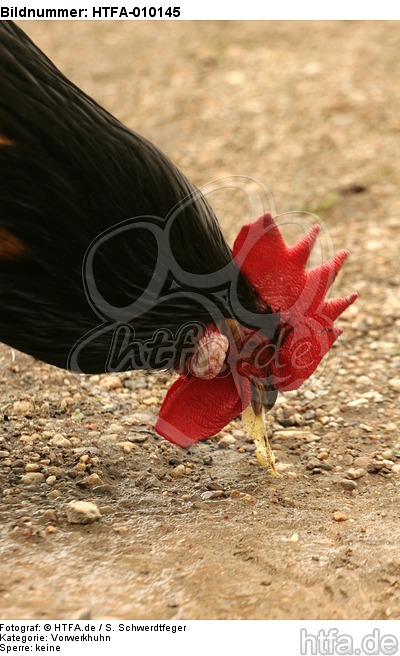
<point>312,111</point>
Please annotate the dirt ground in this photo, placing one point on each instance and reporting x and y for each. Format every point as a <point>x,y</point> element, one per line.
<point>312,111</point>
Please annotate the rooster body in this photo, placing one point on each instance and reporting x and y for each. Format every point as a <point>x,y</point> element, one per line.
<point>107,248</point>
<point>68,172</point>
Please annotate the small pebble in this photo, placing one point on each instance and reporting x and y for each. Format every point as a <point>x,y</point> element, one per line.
<point>213,485</point>
<point>125,446</point>
<point>374,466</point>
<point>111,382</point>
<point>283,466</point>
<point>82,512</point>
<point>227,440</point>
<point>51,515</point>
<point>115,428</point>
<point>356,472</point>
<point>92,480</point>
<point>348,484</point>
<point>361,462</point>
<point>357,402</point>
<point>50,480</point>
<point>31,467</point>
<point>60,440</point>
<point>152,400</point>
<point>104,490</point>
<point>179,470</point>
<point>27,439</point>
<point>143,418</point>
<point>212,494</point>
<point>394,384</point>
<point>296,435</point>
<point>340,516</point>
<point>242,496</point>
<point>309,395</point>
<point>50,529</point>
<point>120,528</point>
<point>134,385</point>
<point>238,434</point>
<point>54,494</point>
<point>314,463</point>
<point>347,459</point>
<point>33,478</point>
<point>137,437</point>
<point>22,408</point>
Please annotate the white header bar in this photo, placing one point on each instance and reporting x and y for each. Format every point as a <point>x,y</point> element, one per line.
<point>200,10</point>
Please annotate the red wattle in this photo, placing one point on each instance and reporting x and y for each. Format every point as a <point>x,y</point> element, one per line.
<point>194,409</point>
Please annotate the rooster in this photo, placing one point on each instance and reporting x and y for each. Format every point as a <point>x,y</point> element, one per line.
<point>111,259</point>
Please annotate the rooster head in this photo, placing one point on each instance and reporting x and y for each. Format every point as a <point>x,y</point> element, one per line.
<point>234,366</point>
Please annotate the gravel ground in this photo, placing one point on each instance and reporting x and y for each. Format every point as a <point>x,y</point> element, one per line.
<point>311,111</point>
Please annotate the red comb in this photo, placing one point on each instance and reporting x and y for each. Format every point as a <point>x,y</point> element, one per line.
<point>278,274</point>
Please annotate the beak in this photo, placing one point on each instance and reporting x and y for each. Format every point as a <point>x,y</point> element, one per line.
<point>262,396</point>
<point>234,332</point>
